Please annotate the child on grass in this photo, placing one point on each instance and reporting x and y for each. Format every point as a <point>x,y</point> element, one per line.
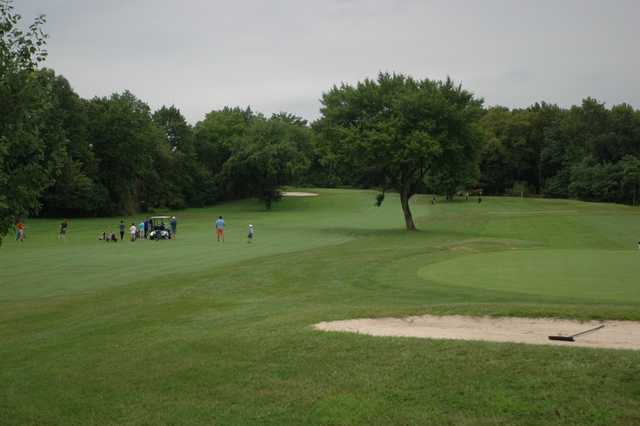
<point>250,234</point>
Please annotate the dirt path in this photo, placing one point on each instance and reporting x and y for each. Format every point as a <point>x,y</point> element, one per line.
<point>615,334</point>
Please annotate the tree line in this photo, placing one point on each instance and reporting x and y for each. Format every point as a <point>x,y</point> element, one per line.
<point>62,155</point>
<point>588,152</point>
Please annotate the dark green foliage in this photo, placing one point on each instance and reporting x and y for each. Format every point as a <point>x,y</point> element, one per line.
<point>179,167</point>
<point>289,119</point>
<point>594,181</point>
<point>177,131</point>
<point>631,177</point>
<point>216,134</point>
<point>393,131</point>
<point>26,162</point>
<point>74,193</point>
<point>267,156</point>
<point>74,190</point>
<point>214,138</point>
<point>516,145</point>
<point>588,152</point>
<point>127,144</point>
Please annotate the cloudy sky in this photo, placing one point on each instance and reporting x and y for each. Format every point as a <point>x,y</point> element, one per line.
<point>281,55</point>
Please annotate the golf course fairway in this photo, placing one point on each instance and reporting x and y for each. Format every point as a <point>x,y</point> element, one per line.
<point>195,331</point>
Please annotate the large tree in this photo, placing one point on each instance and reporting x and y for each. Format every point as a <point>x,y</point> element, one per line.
<point>392,131</point>
<point>179,169</point>
<point>269,155</point>
<point>25,169</point>
<point>127,144</point>
<point>216,134</point>
<point>214,138</point>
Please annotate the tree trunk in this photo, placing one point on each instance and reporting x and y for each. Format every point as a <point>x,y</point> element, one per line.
<point>540,180</point>
<point>408,218</point>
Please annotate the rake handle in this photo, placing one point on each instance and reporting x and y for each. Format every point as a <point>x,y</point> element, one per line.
<point>588,331</point>
<point>571,338</point>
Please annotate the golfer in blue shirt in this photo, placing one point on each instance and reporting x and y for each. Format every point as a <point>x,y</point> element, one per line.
<point>220,228</point>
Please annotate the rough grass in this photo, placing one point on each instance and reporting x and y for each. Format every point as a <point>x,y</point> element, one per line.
<point>195,332</point>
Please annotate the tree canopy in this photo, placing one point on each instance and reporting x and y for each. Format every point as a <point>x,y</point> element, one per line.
<point>26,161</point>
<point>270,154</point>
<point>393,131</point>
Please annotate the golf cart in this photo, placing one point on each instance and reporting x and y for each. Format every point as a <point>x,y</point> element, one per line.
<point>160,229</point>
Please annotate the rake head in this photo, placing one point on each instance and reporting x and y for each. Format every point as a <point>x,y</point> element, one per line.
<point>562,338</point>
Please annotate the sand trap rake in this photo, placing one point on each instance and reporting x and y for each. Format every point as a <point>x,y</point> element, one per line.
<point>572,338</point>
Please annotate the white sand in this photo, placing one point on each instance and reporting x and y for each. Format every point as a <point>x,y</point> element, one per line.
<point>615,334</point>
<point>299,194</point>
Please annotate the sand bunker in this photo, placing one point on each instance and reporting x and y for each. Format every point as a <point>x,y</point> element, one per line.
<point>299,194</point>
<point>615,334</point>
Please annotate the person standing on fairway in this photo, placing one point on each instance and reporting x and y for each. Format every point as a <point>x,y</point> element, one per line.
<point>141,230</point>
<point>63,229</point>
<point>121,228</point>
<point>174,226</point>
<point>220,229</point>
<point>20,231</point>
<point>132,230</point>
<point>250,234</point>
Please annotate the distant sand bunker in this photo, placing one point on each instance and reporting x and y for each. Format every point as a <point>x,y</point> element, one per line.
<point>615,334</point>
<point>299,194</point>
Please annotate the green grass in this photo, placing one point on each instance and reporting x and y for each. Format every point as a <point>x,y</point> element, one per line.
<point>579,273</point>
<point>197,332</point>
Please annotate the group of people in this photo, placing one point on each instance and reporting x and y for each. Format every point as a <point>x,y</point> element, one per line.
<point>137,232</point>
<point>220,224</point>
<point>109,237</point>
<point>143,230</point>
<point>140,231</point>
<point>466,197</point>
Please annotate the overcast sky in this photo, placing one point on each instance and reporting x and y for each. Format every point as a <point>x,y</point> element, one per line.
<point>281,55</point>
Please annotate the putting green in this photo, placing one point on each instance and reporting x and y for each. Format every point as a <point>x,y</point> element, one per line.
<point>607,275</point>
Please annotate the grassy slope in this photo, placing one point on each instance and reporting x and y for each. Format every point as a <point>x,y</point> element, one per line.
<point>192,331</point>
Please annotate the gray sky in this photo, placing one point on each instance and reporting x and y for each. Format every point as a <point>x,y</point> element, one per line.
<point>281,55</point>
